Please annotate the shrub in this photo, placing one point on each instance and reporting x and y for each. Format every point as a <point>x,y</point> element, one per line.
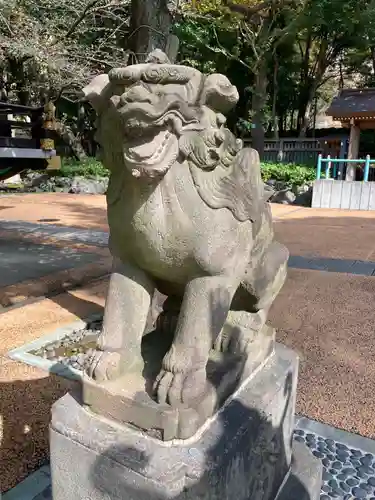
<point>288,173</point>
<point>86,168</point>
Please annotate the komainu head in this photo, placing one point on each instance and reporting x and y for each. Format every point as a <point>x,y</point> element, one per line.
<point>152,115</point>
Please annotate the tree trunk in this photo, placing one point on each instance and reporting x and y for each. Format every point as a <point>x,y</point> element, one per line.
<point>275,122</point>
<point>259,100</point>
<point>373,58</point>
<point>312,84</point>
<point>306,116</point>
<point>151,22</point>
<point>66,134</point>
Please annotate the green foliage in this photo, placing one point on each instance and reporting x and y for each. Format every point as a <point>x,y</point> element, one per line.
<point>87,168</point>
<point>309,48</point>
<point>47,46</point>
<point>288,173</point>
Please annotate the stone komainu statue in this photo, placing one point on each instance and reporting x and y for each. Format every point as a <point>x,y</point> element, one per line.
<point>188,216</point>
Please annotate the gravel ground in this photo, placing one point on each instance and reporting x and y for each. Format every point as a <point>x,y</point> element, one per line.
<point>74,350</point>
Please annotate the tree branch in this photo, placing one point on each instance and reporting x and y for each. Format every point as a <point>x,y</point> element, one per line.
<point>78,21</point>
<point>250,12</point>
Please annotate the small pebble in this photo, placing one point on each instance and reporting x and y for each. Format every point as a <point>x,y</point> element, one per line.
<point>371,481</point>
<point>359,492</point>
<point>322,447</point>
<point>342,477</point>
<point>342,456</point>
<point>366,460</point>
<point>349,472</point>
<point>337,465</point>
<point>366,487</point>
<point>339,492</point>
<point>333,483</point>
<point>362,474</point>
<point>352,481</point>
<point>327,476</point>
<point>356,453</point>
<point>342,447</point>
<point>344,487</point>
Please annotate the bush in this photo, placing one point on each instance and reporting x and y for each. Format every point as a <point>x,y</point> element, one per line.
<point>288,173</point>
<point>86,168</point>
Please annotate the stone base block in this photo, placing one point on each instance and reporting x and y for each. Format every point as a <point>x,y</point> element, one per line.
<point>130,399</point>
<point>243,453</point>
<point>305,478</point>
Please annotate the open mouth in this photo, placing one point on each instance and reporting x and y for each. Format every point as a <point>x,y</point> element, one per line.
<point>150,151</point>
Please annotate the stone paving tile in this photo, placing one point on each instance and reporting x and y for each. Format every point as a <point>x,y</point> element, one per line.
<point>35,487</point>
<point>365,268</point>
<point>20,261</point>
<point>72,234</point>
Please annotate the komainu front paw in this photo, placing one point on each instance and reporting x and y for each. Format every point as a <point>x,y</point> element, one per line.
<point>105,366</point>
<point>180,388</point>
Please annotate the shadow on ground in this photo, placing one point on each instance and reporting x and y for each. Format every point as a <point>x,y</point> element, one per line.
<point>87,216</point>
<point>80,307</point>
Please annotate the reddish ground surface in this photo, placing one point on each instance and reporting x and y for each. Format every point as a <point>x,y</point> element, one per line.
<point>328,318</point>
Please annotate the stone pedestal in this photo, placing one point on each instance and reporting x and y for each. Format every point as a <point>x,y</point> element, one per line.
<point>243,453</point>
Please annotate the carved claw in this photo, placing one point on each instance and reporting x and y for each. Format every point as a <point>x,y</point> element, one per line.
<point>180,388</point>
<point>105,366</point>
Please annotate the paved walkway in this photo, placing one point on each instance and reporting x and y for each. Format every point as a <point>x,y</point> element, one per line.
<point>325,312</point>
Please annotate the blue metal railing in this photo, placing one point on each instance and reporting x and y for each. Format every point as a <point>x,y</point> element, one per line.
<point>334,161</point>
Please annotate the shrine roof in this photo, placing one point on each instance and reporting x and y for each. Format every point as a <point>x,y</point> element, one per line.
<point>353,103</point>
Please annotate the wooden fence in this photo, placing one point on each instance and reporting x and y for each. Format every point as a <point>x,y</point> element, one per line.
<point>292,150</point>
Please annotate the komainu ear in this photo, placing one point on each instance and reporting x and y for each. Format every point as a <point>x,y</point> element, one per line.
<point>94,92</point>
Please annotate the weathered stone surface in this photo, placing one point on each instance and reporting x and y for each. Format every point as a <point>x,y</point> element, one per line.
<point>189,217</point>
<point>305,477</point>
<point>125,400</point>
<point>284,197</point>
<point>243,453</point>
<point>80,185</point>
